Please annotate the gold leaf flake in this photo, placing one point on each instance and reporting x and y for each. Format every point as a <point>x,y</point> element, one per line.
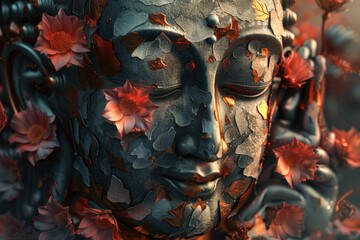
<point>229,100</point>
<point>159,19</point>
<point>263,109</point>
<point>261,10</point>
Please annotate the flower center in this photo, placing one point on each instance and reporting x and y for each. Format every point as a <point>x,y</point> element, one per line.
<point>128,106</point>
<point>36,134</point>
<point>291,159</point>
<point>61,41</point>
<point>103,222</point>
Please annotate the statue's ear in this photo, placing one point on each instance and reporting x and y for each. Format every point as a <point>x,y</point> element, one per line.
<point>26,79</point>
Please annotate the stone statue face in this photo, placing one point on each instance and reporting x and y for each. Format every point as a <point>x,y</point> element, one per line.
<point>198,160</point>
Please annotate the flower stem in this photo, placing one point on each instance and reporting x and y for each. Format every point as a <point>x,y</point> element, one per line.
<point>323,42</point>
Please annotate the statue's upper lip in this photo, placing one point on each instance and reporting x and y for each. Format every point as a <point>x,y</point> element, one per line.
<point>192,177</point>
<point>191,171</point>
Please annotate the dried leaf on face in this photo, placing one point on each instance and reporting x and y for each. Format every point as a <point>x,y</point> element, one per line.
<point>200,221</point>
<point>195,31</point>
<point>225,210</point>
<point>199,202</point>
<point>131,41</point>
<point>182,43</point>
<point>160,208</point>
<point>177,214</point>
<point>105,54</point>
<point>272,69</point>
<point>159,19</point>
<point>263,109</point>
<point>229,100</point>
<point>279,9</point>
<point>156,64</point>
<point>165,140</point>
<point>259,65</point>
<point>238,187</point>
<point>232,31</point>
<point>198,97</point>
<point>162,44</point>
<point>230,134</point>
<point>182,117</point>
<point>228,166</point>
<point>244,161</point>
<point>190,66</point>
<point>192,190</point>
<point>276,24</point>
<point>261,10</point>
<point>162,192</point>
<point>117,193</point>
<point>264,52</point>
<point>139,212</point>
<point>211,59</point>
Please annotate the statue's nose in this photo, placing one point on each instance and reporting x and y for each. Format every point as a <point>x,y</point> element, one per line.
<point>201,140</point>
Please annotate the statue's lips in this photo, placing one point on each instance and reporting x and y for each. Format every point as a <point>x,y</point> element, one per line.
<point>194,190</point>
<point>192,178</point>
<point>193,184</point>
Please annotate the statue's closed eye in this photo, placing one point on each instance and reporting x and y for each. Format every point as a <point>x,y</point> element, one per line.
<point>165,91</point>
<point>241,90</point>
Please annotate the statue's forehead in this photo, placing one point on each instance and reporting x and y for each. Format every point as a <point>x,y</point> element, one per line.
<point>188,17</point>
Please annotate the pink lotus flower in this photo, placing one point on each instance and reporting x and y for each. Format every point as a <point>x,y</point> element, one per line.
<point>34,132</point>
<point>347,146</point>
<point>289,222</point>
<point>296,162</point>
<point>296,70</point>
<point>129,108</point>
<point>9,226</point>
<point>62,39</point>
<point>10,179</point>
<point>99,225</point>
<point>54,221</point>
<point>332,5</point>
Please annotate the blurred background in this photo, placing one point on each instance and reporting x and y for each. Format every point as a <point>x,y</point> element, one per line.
<point>342,104</point>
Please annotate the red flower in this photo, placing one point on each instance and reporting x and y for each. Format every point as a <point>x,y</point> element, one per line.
<point>34,132</point>
<point>62,39</point>
<point>129,108</point>
<point>347,146</point>
<point>54,221</point>
<point>9,226</point>
<point>332,5</point>
<point>296,162</point>
<point>289,222</point>
<point>3,117</point>
<point>99,225</point>
<point>296,70</point>
<point>10,178</point>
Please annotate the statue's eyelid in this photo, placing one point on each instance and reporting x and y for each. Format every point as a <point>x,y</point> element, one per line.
<point>164,91</point>
<point>246,91</point>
